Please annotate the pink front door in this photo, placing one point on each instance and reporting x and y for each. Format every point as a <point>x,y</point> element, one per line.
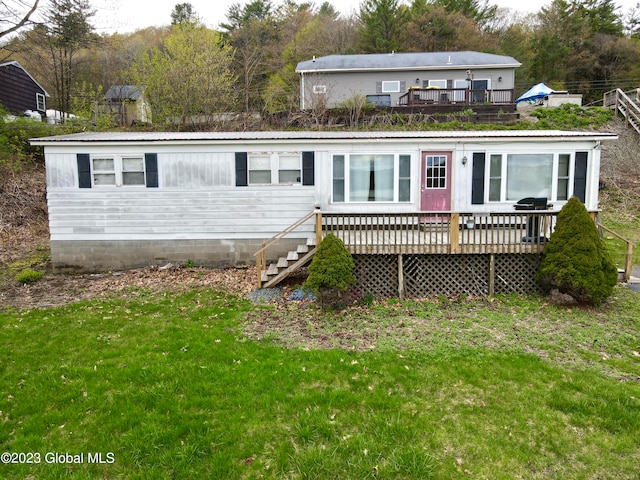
<point>435,185</point>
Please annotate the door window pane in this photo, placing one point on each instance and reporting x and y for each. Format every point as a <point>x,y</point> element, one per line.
<point>436,172</point>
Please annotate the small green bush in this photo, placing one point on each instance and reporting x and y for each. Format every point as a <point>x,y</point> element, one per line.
<point>28,275</point>
<point>576,261</point>
<point>331,272</point>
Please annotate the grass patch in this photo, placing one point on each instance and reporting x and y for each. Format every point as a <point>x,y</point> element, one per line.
<point>183,386</point>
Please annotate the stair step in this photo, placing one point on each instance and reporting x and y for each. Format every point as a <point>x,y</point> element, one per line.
<point>302,249</point>
<point>264,277</point>
<point>311,242</point>
<point>282,262</point>
<point>292,256</point>
<point>273,269</point>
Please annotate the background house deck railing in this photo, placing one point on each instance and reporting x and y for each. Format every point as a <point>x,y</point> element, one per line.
<point>464,96</point>
<point>441,232</point>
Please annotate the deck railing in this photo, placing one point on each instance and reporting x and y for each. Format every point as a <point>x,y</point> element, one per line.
<point>464,96</point>
<point>441,232</point>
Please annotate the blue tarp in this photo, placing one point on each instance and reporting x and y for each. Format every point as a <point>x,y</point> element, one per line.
<point>536,92</point>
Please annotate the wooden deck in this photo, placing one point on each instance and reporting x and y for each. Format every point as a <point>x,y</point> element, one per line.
<point>463,96</point>
<point>441,232</point>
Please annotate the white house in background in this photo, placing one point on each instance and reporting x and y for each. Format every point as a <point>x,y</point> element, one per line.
<point>120,200</point>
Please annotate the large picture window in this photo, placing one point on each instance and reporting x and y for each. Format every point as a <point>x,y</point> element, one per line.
<point>372,178</point>
<point>512,177</point>
<point>529,175</point>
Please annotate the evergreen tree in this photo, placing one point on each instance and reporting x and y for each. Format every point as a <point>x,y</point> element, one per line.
<point>331,272</point>
<point>576,261</point>
<point>381,26</point>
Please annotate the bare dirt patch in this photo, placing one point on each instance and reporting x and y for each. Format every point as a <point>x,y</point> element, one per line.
<point>60,289</point>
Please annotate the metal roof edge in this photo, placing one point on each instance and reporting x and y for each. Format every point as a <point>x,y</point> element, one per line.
<point>110,138</point>
<point>404,69</point>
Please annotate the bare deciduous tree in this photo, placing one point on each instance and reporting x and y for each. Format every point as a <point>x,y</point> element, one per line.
<point>15,14</point>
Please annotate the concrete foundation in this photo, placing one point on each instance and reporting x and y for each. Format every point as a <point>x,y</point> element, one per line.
<point>108,255</point>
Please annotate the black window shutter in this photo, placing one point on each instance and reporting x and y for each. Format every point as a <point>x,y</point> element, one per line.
<point>477,181</point>
<point>84,170</point>
<point>151,169</point>
<point>308,168</point>
<point>242,171</point>
<point>580,176</point>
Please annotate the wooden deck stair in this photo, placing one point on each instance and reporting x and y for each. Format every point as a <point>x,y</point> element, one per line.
<point>625,103</point>
<point>285,266</point>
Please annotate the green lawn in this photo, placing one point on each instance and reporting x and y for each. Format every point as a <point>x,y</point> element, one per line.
<point>186,386</point>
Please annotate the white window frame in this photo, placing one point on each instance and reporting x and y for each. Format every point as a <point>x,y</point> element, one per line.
<point>275,160</point>
<point>391,86</point>
<point>345,179</point>
<point>553,197</point>
<point>438,83</point>
<point>41,104</point>
<point>118,170</point>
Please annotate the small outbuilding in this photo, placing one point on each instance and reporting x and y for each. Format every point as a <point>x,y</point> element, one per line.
<point>127,105</point>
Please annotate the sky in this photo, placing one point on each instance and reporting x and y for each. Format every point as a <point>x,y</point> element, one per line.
<point>130,15</point>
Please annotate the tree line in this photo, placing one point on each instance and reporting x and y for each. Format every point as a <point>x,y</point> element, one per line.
<point>248,63</point>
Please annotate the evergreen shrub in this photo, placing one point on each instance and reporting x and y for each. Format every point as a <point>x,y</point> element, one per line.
<point>575,261</point>
<point>331,272</point>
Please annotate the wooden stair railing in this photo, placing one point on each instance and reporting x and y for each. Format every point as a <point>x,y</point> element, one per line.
<point>273,274</point>
<point>623,103</point>
<point>628,263</point>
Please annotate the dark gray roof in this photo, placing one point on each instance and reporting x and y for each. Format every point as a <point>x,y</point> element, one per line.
<point>407,61</point>
<point>119,92</point>
<point>17,65</point>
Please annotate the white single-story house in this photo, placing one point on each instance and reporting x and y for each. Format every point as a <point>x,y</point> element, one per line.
<point>120,200</point>
<point>464,77</point>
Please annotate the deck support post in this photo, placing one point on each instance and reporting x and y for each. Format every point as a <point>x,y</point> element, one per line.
<point>318,226</point>
<point>400,277</point>
<point>262,262</point>
<point>492,274</point>
<point>454,232</point>
<point>628,263</point>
